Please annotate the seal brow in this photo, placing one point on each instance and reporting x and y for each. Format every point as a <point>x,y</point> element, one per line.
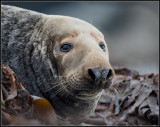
<point>94,36</point>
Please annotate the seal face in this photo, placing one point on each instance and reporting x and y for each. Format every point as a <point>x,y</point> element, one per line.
<point>61,58</point>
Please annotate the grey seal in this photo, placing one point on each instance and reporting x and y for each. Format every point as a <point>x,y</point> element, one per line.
<point>60,58</point>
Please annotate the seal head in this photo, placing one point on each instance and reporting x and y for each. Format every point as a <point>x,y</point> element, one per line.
<point>82,60</point>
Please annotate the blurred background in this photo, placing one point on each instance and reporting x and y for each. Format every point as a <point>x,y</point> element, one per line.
<point>131,29</point>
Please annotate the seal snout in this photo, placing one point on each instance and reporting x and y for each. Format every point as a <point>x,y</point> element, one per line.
<point>100,76</point>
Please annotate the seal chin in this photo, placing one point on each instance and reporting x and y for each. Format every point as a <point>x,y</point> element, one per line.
<point>85,96</point>
<point>88,89</point>
<point>86,93</point>
<point>68,105</point>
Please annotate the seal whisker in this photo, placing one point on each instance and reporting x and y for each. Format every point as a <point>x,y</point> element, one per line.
<point>64,92</point>
<point>51,88</point>
<point>56,92</point>
<point>60,90</point>
<point>60,82</point>
<point>90,20</point>
<point>116,87</point>
<point>112,90</point>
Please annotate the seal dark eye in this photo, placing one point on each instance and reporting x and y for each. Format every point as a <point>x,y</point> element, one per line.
<point>102,46</point>
<point>66,47</point>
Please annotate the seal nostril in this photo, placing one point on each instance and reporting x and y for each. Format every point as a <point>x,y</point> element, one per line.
<point>106,73</point>
<point>94,74</point>
<point>110,73</point>
<point>91,74</point>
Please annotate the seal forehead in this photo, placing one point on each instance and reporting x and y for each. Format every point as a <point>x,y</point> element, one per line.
<point>66,24</point>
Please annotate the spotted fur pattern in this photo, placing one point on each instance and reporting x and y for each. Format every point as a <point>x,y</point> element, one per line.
<point>21,52</point>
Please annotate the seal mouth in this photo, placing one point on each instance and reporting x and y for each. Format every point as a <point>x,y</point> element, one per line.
<point>88,90</point>
<point>77,87</point>
<point>86,95</point>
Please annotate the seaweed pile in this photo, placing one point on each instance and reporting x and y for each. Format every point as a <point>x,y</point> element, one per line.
<point>18,107</point>
<point>135,103</point>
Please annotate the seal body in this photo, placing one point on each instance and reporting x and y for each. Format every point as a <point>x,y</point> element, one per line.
<point>60,58</point>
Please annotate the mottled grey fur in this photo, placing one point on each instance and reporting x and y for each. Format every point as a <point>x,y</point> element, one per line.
<point>20,52</point>
<point>29,55</point>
